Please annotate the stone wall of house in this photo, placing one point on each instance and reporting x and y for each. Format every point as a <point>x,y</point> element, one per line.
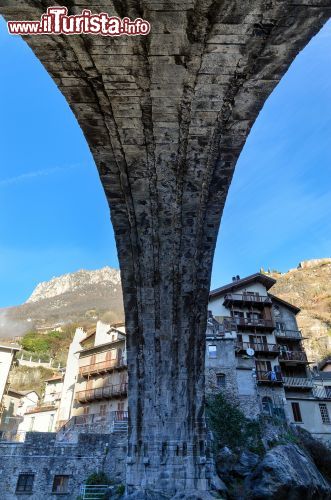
<point>238,385</point>
<point>45,457</point>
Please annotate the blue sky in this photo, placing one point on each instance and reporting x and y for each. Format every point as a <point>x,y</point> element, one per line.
<point>54,217</point>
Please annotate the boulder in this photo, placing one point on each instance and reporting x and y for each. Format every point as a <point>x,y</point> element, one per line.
<point>246,463</point>
<point>287,473</point>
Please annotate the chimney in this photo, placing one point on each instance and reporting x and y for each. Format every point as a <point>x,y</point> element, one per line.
<point>237,277</point>
<point>233,278</point>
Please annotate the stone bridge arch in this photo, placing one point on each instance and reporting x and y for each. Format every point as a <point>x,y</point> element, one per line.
<point>166,117</point>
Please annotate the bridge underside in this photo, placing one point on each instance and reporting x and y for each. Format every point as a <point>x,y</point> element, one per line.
<point>166,117</point>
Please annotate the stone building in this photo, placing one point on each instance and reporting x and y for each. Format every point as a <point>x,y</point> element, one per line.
<point>44,467</point>
<point>255,354</point>
<point>42,415</point>
<point>101,381</point>
<point>15,404</point>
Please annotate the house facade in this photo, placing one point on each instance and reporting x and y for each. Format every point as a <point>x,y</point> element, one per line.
<point>102,381</point>
<point>255,353</point>
<point>42,415</point>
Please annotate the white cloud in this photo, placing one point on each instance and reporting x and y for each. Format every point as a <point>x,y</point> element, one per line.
<point>32,175</point>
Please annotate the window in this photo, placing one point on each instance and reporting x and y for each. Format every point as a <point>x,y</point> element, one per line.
<point>328,391</point>
<point>237,314</point>
<point>220,380</point>
<point>103,410</point>
<point>254,316</point>
<point>25,483</point>
<point>267,406</point>
<point>324,413</point>
<point>296,412</point>
<point>32,419</point>
<point>86,410</point>
<point>276,311</point>
<point>212,352</point>
<point>60,484</point>
<point>280,327</point>
<point>51,422</point>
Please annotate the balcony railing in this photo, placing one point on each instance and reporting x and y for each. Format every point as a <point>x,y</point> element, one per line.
<point>289,334</point>
<point>102,366</point>
<point>258,323</point>
<point>293,356</point>
<point>246,298</point>
<point>258,347</point>
<point>106,392</point>
<point>46,406</point>
<point>298,382</point>
<point>269,377</point>
<point>93,420</point>
<point>321,392</point>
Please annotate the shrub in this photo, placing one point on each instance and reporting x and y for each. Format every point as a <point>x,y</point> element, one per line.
<point>120,489</point>
<point>231,427</point>
<point>98,478</point>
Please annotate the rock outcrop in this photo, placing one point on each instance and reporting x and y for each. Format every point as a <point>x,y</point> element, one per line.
<point>75,282</point>
<point>287,473</point>
<point>308,287</point>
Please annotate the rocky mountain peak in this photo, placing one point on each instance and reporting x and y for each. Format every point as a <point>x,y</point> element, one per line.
<point>73,282</point>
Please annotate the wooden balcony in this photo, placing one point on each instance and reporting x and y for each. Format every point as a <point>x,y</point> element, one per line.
<point>267,377</point>
<point>46,406</point>
<point>106,392</point>
<point>259,348</point>
<point>245,299</point>
<point>259,324</point>
<point>297,382</point>
<point>102,367</point>
<point>288,334</point>
<point>293,357</point>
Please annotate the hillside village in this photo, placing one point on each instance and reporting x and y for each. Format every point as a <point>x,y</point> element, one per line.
<point>256,366</point>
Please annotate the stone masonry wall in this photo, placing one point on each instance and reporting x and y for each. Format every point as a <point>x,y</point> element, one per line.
<point>44,457</point>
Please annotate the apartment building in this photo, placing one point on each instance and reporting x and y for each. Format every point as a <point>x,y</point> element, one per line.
<point>101,385</point>
<point>15,405</point>
<point>255,354</point>
<point>42,415</point>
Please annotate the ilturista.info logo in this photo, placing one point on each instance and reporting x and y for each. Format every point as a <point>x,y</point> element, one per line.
<point>56,21</point>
